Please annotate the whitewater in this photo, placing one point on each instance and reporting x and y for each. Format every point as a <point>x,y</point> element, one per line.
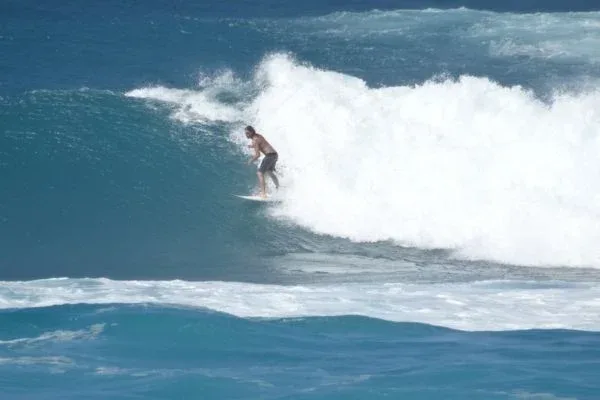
<point>472,306</point>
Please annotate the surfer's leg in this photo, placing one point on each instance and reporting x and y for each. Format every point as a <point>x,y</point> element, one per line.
<point>261,182</point>
<point>273,178</point>
<point>261,177</point>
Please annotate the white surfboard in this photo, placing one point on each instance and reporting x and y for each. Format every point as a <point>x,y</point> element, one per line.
<point>268,199</point>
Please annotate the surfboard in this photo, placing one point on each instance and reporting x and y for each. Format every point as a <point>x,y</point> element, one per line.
<point>268,199</point>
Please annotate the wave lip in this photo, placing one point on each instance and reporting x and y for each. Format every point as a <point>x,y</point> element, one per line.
<point>487,305</point>
<point>192,106</point>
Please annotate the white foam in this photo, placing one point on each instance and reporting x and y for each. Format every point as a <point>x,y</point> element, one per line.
<point>190,105</point>
<point>111,371</point>
<point>491,305</point>
<point>468,165</point>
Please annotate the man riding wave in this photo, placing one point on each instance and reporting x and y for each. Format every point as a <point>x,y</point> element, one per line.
<point>267,166</point>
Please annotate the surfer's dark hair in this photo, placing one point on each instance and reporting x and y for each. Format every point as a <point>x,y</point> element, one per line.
<point>251,130</point>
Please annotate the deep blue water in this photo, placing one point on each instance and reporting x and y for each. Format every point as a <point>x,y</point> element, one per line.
<point>438,234</point>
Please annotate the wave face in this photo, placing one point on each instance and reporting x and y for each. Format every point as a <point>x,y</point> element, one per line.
<point>95,185</point>
<point>420,136</point>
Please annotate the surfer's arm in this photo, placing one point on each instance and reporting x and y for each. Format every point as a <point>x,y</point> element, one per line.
<point>256,153</point>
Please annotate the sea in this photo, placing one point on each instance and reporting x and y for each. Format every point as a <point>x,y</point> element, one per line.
<point>438,229</point>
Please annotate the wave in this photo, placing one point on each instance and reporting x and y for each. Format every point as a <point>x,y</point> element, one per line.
<point>489,171</point>
<point>486,305</point>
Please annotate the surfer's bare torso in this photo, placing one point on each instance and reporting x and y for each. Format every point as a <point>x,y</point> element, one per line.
<point>261,144</point>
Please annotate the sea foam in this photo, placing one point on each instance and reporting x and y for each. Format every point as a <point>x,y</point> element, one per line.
<point>485,305</point>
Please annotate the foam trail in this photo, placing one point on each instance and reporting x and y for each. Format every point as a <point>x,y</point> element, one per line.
<point>58,336</point>
<point>491,305</point>
<point>51,360</point>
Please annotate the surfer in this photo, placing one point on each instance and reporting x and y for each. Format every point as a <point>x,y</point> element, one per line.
<point>267,166</point>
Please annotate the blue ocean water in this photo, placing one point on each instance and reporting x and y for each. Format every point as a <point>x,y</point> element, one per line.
<point>148,352</point>
<point>439,225</point>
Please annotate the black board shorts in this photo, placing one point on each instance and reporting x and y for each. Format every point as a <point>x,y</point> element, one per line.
<point>268,163</point>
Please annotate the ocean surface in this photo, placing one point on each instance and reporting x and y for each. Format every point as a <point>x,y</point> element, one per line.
<point>439,230</point>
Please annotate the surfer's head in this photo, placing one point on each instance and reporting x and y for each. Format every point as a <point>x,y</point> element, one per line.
<point>250,131</point>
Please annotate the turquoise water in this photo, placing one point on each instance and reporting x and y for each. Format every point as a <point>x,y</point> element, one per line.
<point>149,352</point>
<point>439,229</point>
